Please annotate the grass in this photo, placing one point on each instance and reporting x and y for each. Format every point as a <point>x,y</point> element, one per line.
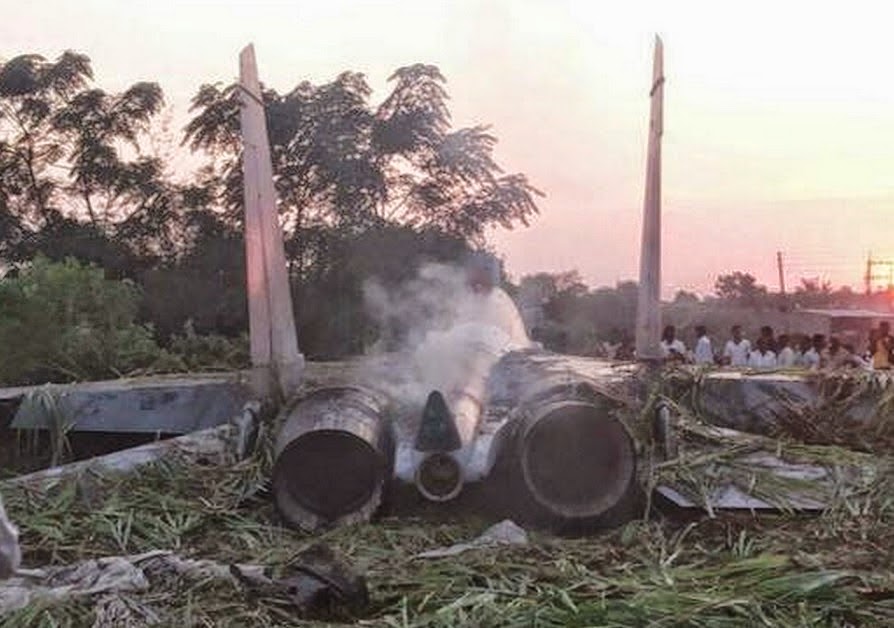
<point>730,570</point>
<point>683,568</point>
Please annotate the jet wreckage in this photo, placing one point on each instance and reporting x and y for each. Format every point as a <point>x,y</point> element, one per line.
<point>568,444</point>
<point>472,415</point>
<point>526,442</point>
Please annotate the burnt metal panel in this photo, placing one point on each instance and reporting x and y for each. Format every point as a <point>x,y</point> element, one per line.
<point>176,405</point>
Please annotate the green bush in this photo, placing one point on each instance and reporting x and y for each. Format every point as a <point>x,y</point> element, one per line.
<point>209,351</point>
<point>64,321</point>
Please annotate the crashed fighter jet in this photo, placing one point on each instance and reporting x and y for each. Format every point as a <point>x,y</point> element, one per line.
<point>539,437</point>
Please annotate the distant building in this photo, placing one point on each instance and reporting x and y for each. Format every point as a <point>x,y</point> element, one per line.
<point>850,325</point>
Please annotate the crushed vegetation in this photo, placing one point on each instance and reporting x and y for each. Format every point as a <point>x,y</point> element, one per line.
<point>668,569</point>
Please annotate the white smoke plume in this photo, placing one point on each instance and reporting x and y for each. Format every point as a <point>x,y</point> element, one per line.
<point>437,325</point>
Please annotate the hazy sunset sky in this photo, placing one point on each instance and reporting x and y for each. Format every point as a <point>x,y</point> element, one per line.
<point>779,116</point>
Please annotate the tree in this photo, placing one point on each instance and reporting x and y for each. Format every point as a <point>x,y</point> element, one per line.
<point>740,288</point>
<point>685,297</point>
<point>32,92</point>
<point>343,163</point>
<point>814,293</point>
<point>353,179</point>
<point>62,164</point>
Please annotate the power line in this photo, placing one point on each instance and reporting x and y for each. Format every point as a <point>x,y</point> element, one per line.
<point>886,271</point>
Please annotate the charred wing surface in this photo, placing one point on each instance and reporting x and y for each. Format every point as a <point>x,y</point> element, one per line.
<point>567,460</point>
<point>334,457</point>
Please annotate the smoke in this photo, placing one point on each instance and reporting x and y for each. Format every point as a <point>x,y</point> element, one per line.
<point>438,327</point>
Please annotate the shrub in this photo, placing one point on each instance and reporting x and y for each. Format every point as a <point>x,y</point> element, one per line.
<point>209,351</point>
<point>64,321</point>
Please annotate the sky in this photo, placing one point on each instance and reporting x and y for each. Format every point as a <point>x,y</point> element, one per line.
<point>779,116</point>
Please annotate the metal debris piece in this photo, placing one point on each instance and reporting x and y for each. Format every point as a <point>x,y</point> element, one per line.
<point>111,575</point>
<point>91,577</point>
<point>319,585</point>
<point>121,611</point>
<point>148,405</point>
<point>220,444</point>
<point>506,532</point>
<point>10,553</point>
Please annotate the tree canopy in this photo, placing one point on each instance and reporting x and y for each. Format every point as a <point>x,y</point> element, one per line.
<point>364,188</point>
<point>341,161</point>
<point>740,288</point>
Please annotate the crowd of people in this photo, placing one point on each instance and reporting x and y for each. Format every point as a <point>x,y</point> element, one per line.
<point>769,351</point>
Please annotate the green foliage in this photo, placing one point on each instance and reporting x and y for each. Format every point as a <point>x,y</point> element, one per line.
<point>209,352</point>
<point>574,319</point>
<point>741,288</point>
<point>63,165</point>
<point>66,321</point>
<point>340,161</point>
<point>732,570</point>
<point>365,190</point>
<point>331,315</point>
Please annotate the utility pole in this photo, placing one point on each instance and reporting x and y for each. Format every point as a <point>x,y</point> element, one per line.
<point>781,273</point>
<point>868,277</point>
<point>886,273</point>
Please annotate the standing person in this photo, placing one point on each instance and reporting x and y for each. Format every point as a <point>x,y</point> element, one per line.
<point>852,358</point>
<point>769,339</point>
<point>672,348</point>
<point>804,346</point>
<point>487,304</point>
<point>704,352</point>
<point>736,351</point>
<point>836,356</point>
<point>870,346</point>
<point>813,357</point>
<point>884,344</point>
<point>786,357</point>
<point>625,349</point>
<point>762,357</point>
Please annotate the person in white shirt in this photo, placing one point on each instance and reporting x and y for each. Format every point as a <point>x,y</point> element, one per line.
<point>804,345</point>
<point>812,358</point>
<point>787,358</point>
<point>737,349</point>
<point>672,348</point>
<point>704,353</point>
<point>762,357</point>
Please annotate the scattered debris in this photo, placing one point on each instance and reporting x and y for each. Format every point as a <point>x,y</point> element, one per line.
<point>123,611</point>
<point>10,553</point>
<point>108,575</point>
<point>504,533</point>
<point>319,584</point>
<point>230,441</point>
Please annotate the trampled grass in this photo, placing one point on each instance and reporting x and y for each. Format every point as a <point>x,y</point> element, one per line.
<point>668,568</point>
<point>832,569</point>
